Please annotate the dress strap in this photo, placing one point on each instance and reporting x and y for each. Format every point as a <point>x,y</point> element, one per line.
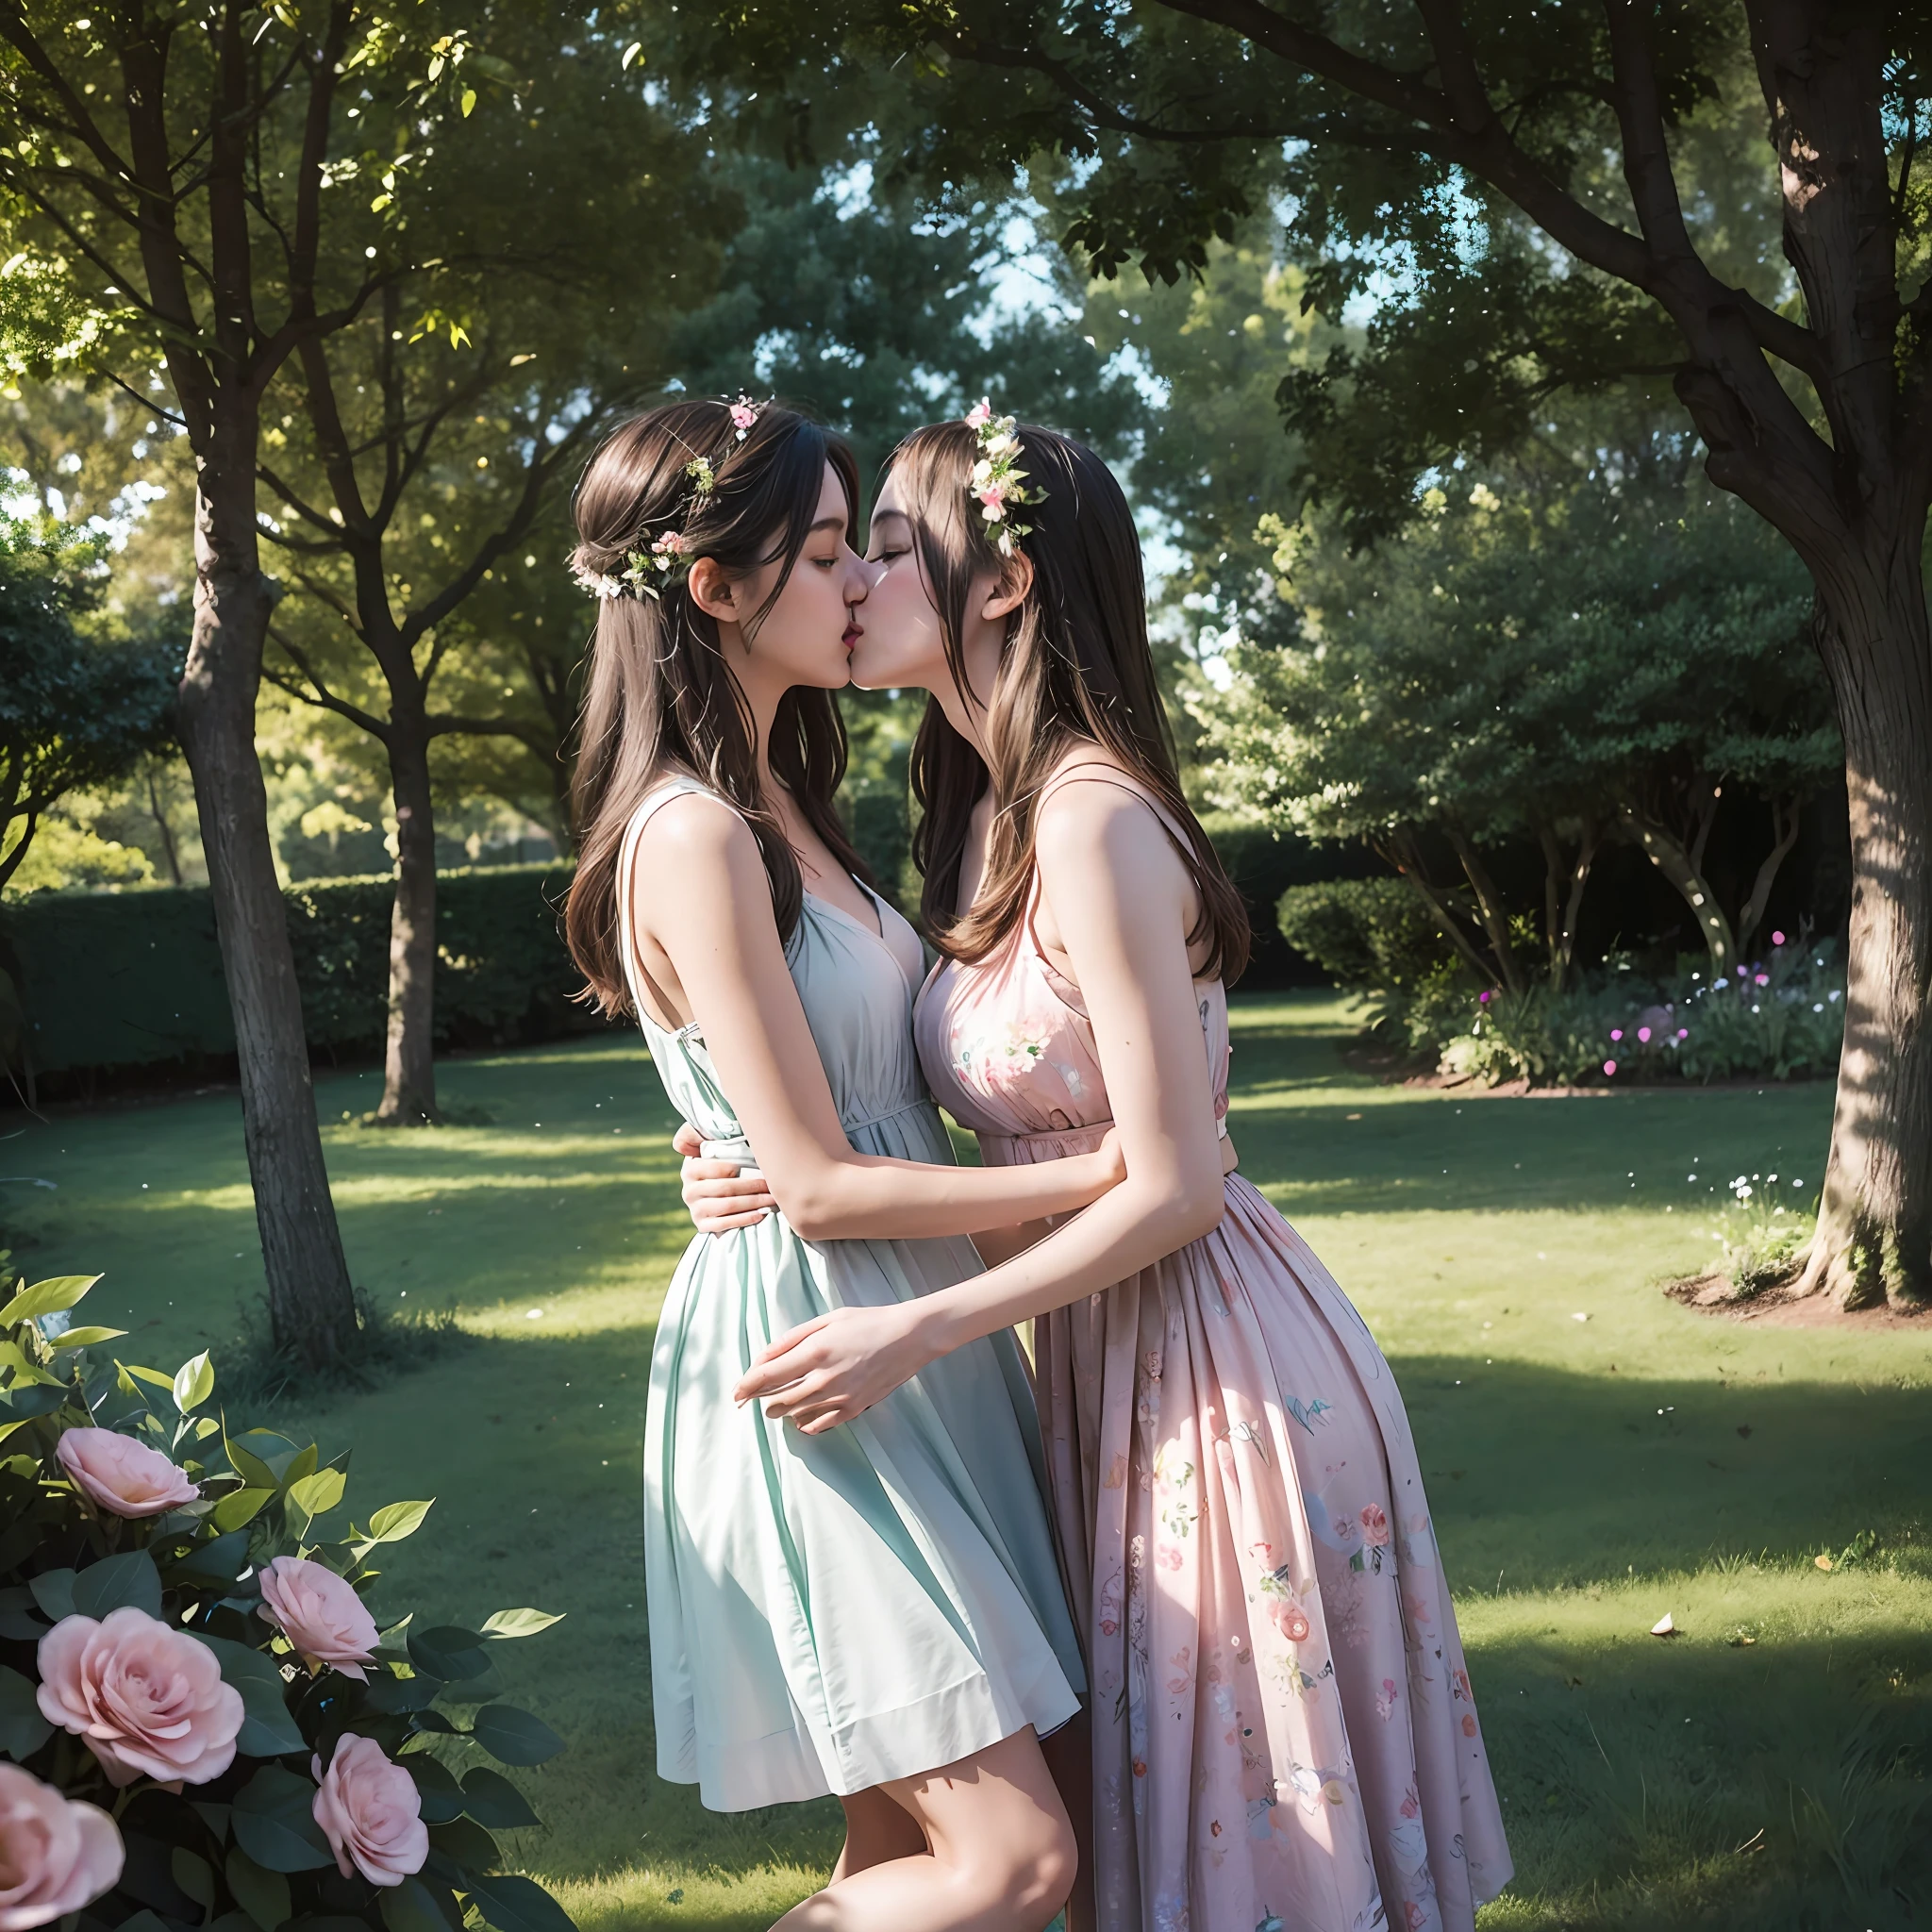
<point>680,785</point>
<point>1110,775</point>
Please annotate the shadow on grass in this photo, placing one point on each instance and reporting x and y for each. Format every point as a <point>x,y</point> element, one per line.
<point>1542,1477</point>
<point>1669,1787</point>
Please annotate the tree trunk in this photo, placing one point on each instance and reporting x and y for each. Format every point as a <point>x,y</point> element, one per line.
<point>1563,908</point>
<point>1679,864</point>
<point>1875,1224</point>
<point>1787,816</point>
<point>1495,917</point>
<point>408,1073</point>
<point>312,1306</point>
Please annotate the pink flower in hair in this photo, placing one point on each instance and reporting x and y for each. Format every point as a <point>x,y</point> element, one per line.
<point>981,414</point>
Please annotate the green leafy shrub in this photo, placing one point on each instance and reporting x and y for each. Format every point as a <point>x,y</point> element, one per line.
<point>144,1534</point>
<point>1372,935</point>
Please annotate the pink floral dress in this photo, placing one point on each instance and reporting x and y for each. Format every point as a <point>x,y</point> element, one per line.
<point>1284,1735</point>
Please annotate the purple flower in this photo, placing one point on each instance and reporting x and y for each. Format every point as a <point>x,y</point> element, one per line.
<point>1483,998</point>
<point>1616,1033</point>
<point>1777,939</point>
<point>1609,1066</point>
<point>1764,979</point>
<point>1683,1033</point>
<point>1644,1033</point>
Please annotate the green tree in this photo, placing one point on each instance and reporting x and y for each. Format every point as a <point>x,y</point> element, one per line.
<point>211,197</point>
<point>411,454</point>
<point>1524,190</point>
<point>1549,664</point>
<point>75,709</point>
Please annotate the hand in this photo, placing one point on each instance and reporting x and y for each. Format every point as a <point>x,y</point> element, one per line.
<point>832,1370</point>
<point>719,1193</point>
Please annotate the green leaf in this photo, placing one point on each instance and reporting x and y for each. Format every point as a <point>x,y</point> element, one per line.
<point>116,1582</point>
<point>194,1874</point>
<point>240,1506</point>
<point>298,1466</point>
<point>195,1382</point>
<point>268,1730</point>
<point>247,1465</point>
<point>518,1622</point>
<point>86,1338</point>
<point>23,1729</point>
<point>469,102</point>
<point>14,1620</point>
<point>275,1825</point>
<point>449,1653</point>
<point>491,1799</point>
<point>241,1663</point>
<point>262,1895</point>
<point>221,1560</point>
<point>466,1845</point>
<point>413,1906</point>
<point>514,1904</point>
<point>514,1737</point>
<point>310,1496</point>
<point>441,1797</point>
<point>389,1525</point>
<point>54,1296</point>
<point>54,1592</point>
<point>137,1374</point>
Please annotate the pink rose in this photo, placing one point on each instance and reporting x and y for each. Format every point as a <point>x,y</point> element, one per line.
<point>319,1614</point>
<point>56,1856</point>
<point>371,1813</point>
<point>744,415</point>
<point>1375,1525</point>
<point>146,1698</point>
<point>981,414</point>
<point>121,1476</point>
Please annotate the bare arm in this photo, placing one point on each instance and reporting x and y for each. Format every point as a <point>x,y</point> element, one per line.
<point>699,873</point>
<point>1122,898</point>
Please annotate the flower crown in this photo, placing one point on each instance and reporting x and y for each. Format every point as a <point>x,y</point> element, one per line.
<point>997,481</point>
<point>668,557</point>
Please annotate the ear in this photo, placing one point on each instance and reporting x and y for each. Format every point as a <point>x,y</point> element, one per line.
<point>711,591</point>
<point>1010,590</point>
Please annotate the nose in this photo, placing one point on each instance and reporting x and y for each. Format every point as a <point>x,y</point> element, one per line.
<point>860,578</point>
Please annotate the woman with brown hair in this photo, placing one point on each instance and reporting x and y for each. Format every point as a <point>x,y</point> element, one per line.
<point>1283,1729</point>
<point>876,1611</point>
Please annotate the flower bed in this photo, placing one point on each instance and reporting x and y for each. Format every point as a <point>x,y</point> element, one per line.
<point>205,1724</point>
<point>1781,1018</point>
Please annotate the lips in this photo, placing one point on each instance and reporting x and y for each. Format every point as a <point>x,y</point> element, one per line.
<point>852,633</point>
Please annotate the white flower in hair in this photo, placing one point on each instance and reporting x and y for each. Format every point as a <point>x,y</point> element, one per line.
<point>997,482</point>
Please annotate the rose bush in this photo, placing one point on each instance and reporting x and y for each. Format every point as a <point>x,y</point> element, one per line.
<point>207,1723</point>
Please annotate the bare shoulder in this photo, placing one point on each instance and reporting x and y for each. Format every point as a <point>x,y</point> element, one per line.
<point>1094,835</point>
<point>1096,812</point>
<point>694,830</point>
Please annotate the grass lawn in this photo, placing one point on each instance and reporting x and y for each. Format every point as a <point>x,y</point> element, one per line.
<point>1766,1767</point>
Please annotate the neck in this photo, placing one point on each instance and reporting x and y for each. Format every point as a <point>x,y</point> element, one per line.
<point>965,713</point>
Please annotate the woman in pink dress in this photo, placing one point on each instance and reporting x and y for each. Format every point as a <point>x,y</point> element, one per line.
<point>1283,1731</point>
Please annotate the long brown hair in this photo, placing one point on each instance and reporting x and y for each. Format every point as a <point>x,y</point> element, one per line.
<point>658,694</point>
<point>1075,669</point>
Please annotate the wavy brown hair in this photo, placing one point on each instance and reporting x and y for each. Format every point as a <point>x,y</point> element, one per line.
<point>1076,670</point>
<point>660,694</point>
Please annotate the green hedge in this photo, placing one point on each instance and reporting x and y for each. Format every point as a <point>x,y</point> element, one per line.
<point>134,980</point>
<point>126,979</point>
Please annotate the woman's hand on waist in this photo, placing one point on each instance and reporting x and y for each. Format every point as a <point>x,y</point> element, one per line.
<point>719,1194</point>
<point>831,1370</point>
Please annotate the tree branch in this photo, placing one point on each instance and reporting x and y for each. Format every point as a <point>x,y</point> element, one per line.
<point>319,696</point>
